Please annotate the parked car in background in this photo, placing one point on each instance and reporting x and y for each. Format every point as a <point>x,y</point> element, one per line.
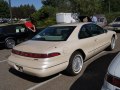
<point>101,20</point>
<point>3,20</point>
<point>112,79</point>
<point>61,47</point>
<point>12,34</point>
<point>115,25</point>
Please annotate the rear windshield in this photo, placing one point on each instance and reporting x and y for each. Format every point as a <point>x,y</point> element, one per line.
<point>60,33</point>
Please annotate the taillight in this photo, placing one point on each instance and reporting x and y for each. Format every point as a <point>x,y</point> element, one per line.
<point>113,80</point>
<point>53,54</point>
<point>35,55</point>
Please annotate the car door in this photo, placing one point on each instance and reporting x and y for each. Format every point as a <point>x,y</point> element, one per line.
<point>87,41</point>
<point>101,37</point>
<point>9,31</point>
<point>2,37</point>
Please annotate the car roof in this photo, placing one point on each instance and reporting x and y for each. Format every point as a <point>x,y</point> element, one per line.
<point>7,24</point>
<point>71,24</point>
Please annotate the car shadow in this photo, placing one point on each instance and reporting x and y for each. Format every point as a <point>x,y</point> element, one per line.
<point>93,76</point>
<point>30,77</point>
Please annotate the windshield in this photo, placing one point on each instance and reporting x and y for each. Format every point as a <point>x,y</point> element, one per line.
<point>60,33</point>
<point>117,19</point>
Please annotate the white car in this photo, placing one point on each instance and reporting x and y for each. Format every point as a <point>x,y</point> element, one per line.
<point>112,79</point>
<point>115,25</point>
<point>61,47</point>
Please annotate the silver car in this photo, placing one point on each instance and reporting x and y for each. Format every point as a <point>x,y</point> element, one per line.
<point>112,79</point>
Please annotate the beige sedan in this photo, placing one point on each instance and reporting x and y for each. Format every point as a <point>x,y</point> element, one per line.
<point>61,47</point>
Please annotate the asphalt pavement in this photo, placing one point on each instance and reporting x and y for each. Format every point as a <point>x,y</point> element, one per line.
<point>91,79</point>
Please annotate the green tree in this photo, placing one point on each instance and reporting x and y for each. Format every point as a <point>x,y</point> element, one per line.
<point>113,5</point>
<point>87,7</point>
<point>83,7</point>
<point>4,9</point>
<point>60,5</point>
<point>45,16</point>
<point>16,12</point>
<point>23,11</point>
<point>52,3</point>
<point>78,6</point>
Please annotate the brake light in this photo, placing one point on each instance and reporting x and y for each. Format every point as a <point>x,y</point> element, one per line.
<point>113,80</point>
<point>53,54</point>
<point>35,55</point>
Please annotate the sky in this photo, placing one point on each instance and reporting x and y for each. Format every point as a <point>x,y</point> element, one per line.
<point>36,3</point>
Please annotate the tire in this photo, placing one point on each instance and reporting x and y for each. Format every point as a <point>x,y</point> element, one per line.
<point>75,64</point>
<point>10,43</point>
<point>112,45</point>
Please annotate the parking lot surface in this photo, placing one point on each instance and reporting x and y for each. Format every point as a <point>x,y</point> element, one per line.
<point>92,78</point>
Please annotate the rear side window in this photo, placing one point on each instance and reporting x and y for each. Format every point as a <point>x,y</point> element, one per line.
<point>9,29</point>
<point>90,30</point>
<point>96,30</point>
<point>14,29</point>
<point>84,32</point>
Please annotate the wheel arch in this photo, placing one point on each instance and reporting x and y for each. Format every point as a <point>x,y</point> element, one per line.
<point>82,52</point>
<point>115,36</point>
<point>7,45</point>
<point>69,68</point>
<point>11,38</point>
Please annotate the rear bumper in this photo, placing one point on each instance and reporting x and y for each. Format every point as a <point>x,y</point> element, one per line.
<point>39,72</point>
